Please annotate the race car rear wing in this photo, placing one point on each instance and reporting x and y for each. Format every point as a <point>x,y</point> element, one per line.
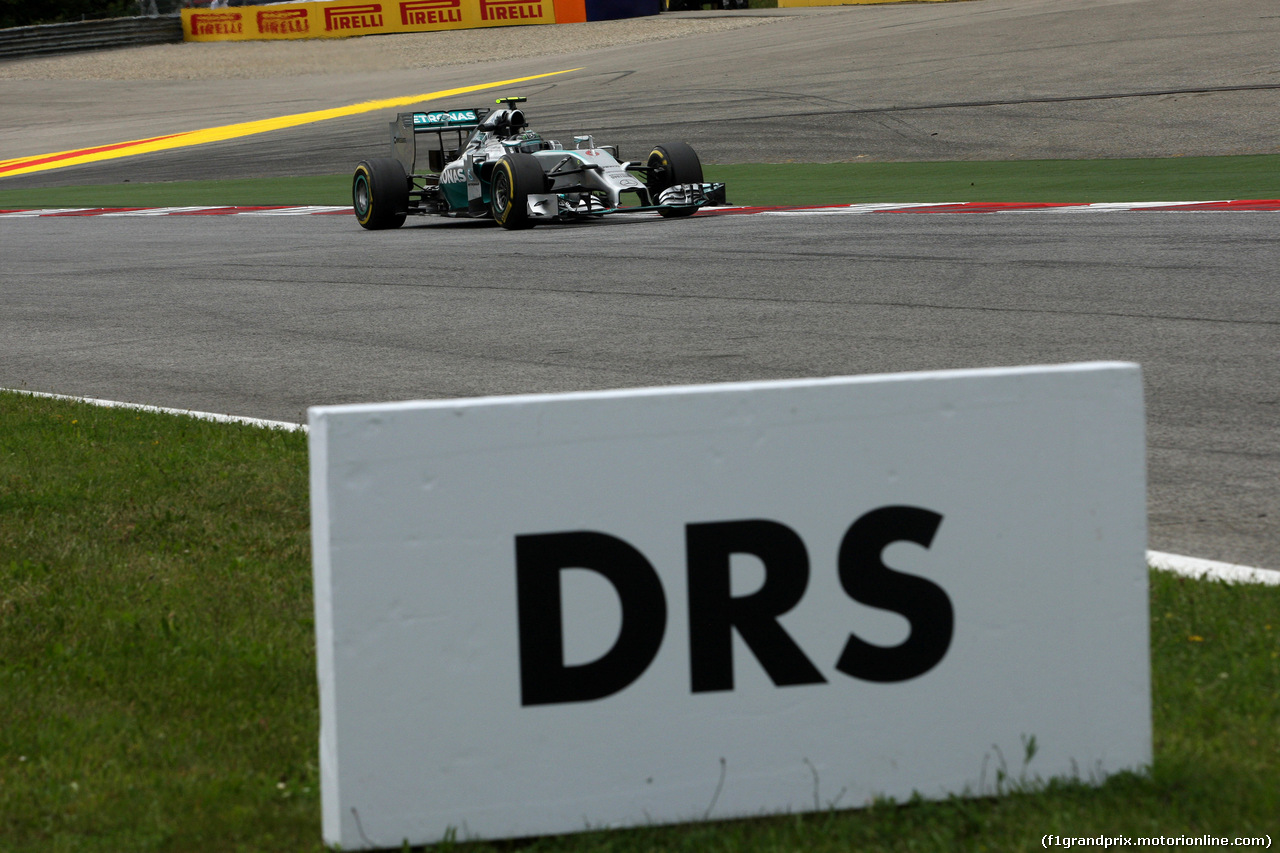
<point>460,123</point>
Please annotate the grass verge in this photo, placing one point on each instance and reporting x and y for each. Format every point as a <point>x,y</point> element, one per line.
<point>1177,179</point>
<point>157,674</point>
<point>325,189</point>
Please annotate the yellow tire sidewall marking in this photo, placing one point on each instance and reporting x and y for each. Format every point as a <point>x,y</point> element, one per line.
<point>501,216</point>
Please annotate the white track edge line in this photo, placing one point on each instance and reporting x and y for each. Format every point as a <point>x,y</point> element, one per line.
<point>288,426</point>
<point>1192,567</point>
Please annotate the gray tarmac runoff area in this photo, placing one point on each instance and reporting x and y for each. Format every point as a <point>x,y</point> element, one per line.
<point>264,316</point>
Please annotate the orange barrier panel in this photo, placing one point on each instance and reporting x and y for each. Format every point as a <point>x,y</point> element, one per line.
<point>571,11</point>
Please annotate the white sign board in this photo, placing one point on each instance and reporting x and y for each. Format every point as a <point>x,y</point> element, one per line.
<point>541,614</point>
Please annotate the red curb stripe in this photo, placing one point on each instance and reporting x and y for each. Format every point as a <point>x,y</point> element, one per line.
<point>747,211</point>
<point>984,207</point>
<point>1228,205</point>
<point>302,210</point>
<point>224,211</point>
<point>93,211</point>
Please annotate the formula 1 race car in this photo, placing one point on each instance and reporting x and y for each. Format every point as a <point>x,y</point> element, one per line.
<point>499,168</point>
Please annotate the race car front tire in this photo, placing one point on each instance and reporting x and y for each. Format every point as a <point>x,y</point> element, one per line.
<point>671,164</point>
<point>380,193</point>
<point>515,177</point>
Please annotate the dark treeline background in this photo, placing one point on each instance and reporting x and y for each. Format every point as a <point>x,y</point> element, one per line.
<point>21,13</point>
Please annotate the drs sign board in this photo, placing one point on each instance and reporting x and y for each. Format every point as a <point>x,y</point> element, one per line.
<point>541,614</point>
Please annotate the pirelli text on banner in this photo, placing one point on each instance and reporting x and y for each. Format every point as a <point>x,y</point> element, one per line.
<point>343,19</point>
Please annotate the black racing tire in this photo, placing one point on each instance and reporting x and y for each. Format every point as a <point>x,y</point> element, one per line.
<point>671,164</point>
<point>514,178</point>
<point>380,193</point>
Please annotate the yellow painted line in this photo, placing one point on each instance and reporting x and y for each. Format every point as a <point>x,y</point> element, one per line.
<point>80,156</point>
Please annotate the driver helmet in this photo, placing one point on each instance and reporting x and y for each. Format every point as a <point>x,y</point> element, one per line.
<point>530,142</point>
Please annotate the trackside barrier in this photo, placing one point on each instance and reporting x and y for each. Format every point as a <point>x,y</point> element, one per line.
<point>48,39</point>
<point>342,18</point>
<point>542,613</point>
<point>795,4</point>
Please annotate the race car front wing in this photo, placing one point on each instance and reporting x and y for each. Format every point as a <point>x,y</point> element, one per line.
<point>692,195</point>
<point>556,205</point>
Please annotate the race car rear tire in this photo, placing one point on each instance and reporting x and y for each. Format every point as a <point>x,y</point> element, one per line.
<point>380,193</point>
<point>515,177</point>
<point>671,164</point>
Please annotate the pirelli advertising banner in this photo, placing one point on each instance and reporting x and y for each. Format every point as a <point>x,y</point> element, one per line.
<point>342,19</point>
<point>543,614</point>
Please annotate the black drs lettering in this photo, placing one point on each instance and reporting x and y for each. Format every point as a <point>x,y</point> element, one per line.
<point>544,678</point>
<point>714,613</point>
<point>867,580</point>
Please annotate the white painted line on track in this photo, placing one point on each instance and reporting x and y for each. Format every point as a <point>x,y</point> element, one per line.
<point>139,407</point>
<point>845,209</point>
<point>1004,208</point>
<point>1192,567</point>
<point>1104,206</point>
<point>153,211</point>
<point>45,211</point>
<point>309,210</point>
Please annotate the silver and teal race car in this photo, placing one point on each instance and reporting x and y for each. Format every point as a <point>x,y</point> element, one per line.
<point>488,163</point>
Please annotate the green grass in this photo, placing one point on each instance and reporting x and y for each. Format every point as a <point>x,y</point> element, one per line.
<point>156,650</point>
<point>1176,179</point>
<point>157,673</point>
<point>327,189</point>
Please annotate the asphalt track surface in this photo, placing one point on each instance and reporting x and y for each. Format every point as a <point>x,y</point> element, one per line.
<point>264,316</point>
